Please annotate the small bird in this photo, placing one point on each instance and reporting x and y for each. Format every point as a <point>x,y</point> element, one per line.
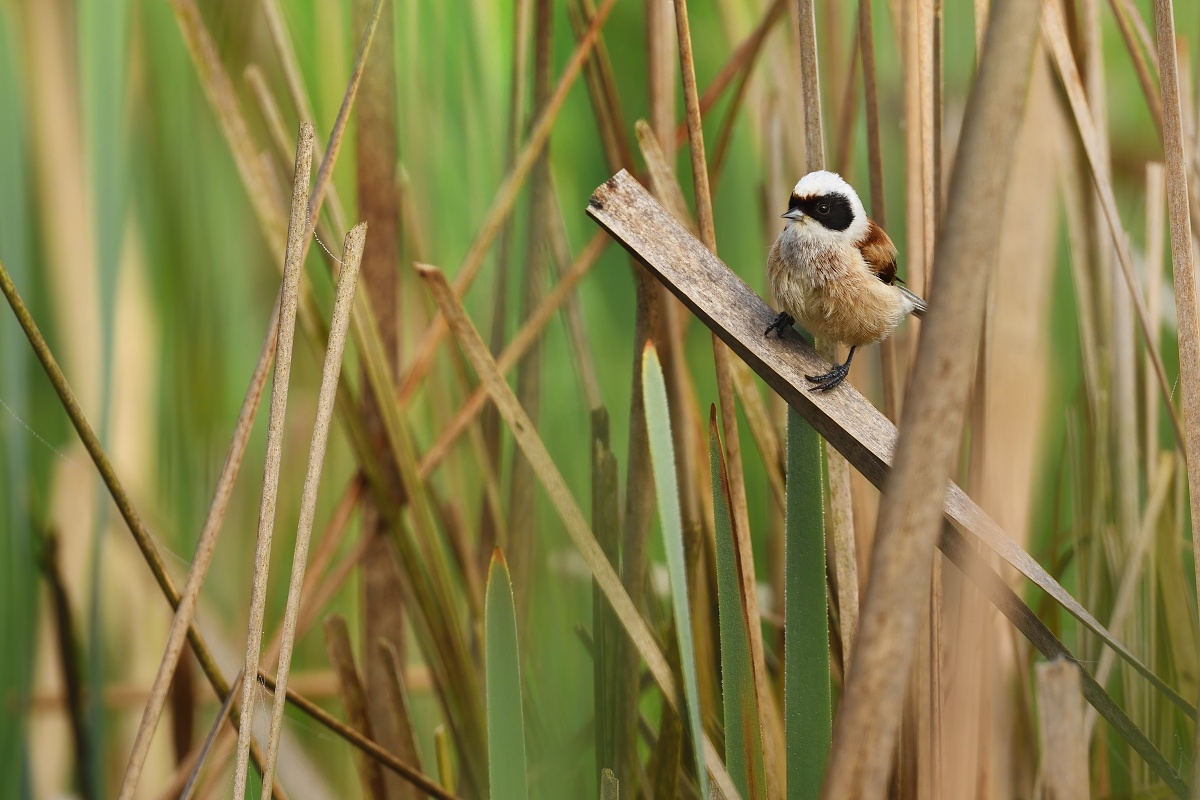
<point>834,271</point>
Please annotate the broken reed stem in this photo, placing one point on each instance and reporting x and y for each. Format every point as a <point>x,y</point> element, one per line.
<point>502,205</point>
<point>347,283</point>
<point>910,514</point>
<point>1186,309</point>
<point>1060,723</point>
<point>288,304</point>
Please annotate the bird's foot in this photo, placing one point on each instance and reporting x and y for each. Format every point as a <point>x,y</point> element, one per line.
<point>782,321</point>
<point>829,380</point>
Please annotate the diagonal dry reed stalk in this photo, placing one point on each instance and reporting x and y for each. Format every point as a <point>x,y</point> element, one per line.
<point>288,304</point>
<point>347,284</point>
<point>908,523</point>
<point>1186,309</point>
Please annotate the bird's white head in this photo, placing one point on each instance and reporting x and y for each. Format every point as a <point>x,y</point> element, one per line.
<point>824,209</point>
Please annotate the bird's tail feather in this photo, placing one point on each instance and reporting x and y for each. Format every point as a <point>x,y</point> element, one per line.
<point>919,305</point>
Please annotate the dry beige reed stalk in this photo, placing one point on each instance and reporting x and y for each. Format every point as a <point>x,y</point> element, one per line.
<point>1156,214</point>
<point>910,515</point>
<point>289,301</point>
<point>1060,722</point>
<point>560,495</point>
<point>1187,312</point>
<point>343,302</point>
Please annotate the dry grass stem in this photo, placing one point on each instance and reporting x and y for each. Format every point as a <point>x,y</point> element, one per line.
<point>1186,309</point>
<point>1064,760</point>
<point>560,495</point>
<point>339,326</point>
<point>810,86</point>
<point>288,303</point>
<point>1156,215</point>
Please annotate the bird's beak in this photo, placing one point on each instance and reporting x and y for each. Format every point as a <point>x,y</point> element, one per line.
<point>794,214</point>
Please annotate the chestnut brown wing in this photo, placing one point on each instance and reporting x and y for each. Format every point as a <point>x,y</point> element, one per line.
<point>879,253</point>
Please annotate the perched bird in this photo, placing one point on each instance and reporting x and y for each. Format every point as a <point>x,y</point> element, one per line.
<point>834,271</point>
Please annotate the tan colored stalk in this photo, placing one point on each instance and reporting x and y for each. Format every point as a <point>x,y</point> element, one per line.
<point>354,701</point>
<point>810,86</point>
<point>660,69</point>
<point>1060,723</point>
<point>1156,214</point>
<point>1187,312</point>
<point>1060,48</point>
<point>502,204</point>
<point>910,515</point>
<point>339,325</point>
<point>572,517</point>
<point>288,303</point>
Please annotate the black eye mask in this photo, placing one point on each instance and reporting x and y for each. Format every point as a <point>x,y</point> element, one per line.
<point>831,210</point>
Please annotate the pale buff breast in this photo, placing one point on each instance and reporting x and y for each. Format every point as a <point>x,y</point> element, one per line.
<point>838,298</point>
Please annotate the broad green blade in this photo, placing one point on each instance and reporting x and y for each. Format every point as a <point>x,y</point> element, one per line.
<point>662,454</point>
<point>743,731</point>
<point>807,723</point>
<point>18,588</point>
<point>505,723</point>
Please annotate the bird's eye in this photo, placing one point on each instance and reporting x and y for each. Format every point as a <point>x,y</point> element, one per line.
<point>822,208</point>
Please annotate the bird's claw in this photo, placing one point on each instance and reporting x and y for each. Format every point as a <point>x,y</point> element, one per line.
<point>782,321</point>
<point>829,380</point>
